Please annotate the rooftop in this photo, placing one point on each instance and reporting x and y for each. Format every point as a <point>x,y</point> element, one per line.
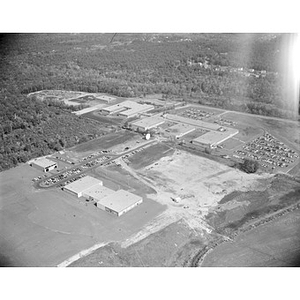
<point>137,109</point>
<point>83,184</point>
<point>98,192</point>
<point>149,122</point>
<point>44,162</point>
<point>181,128</point>
<point>215,137</point>
<point>124,104</point>
<point>197,123</point>
<point>120,200</point>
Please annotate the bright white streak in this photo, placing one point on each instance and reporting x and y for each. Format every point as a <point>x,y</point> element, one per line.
<point>295,59</point>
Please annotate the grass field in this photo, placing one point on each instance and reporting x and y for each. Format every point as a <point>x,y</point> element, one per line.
<point>43,228</point>
<point>276,244</point>
<point>106,142</point>
<point>149,155</point>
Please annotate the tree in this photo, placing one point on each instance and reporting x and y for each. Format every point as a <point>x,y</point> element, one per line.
<point>249,166</point>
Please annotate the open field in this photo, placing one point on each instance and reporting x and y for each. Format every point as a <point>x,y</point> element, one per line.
<point>43,228</point>
<point>276,244</point>
<point>149,155</point>
<point>106,142</point>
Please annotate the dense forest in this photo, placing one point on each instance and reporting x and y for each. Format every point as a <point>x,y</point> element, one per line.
<point>128,65</point>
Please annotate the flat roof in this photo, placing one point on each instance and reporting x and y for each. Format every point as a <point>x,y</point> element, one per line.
<point>149,122</point>
<point>103,97</point>
<point>181,128</point>
<point>197,123</point>
<point>83,184</point>
<point>44,162</point>
<point>120,200</point>
<point>98,192</point>
<point>124,104</point>
<point>138,109</point>
<point>215,137</point>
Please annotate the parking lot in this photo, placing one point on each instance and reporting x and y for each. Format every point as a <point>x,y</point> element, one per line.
<point>270,152</point>
<point>195,113</point>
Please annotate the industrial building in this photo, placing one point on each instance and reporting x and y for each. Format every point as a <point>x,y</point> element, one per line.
<point>127,109</point>
<point>147,123</point>
<point>115,202</point>
<point>213,138</point>
<point>97,192</point>
<point>132,112</point>
<point>80,186</point>
<point>105,98</point>
<point>180,130</point>
<point>44,164</point>
<point>196,123</point>
<point>119,202</point>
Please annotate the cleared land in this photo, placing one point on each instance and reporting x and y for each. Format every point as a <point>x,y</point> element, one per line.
<point>43,228</point>
<point>197,180</point>
<point>149,155</point>
<point>276,244</point>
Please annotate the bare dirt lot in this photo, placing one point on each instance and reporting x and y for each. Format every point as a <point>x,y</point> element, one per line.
<point>43,228</point>
<point>276,244</point>
<point>198,181</point>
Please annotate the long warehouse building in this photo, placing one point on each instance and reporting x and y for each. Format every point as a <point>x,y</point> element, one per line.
<point>213,138</point>
<point>147,123</point>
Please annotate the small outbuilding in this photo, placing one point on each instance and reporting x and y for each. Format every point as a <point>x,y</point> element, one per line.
<point>44,164</point>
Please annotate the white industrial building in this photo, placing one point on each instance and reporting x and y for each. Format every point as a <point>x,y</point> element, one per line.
<point>147,123</point>
<point>196,123</point>
<point>213,138</point>
<point>127,109</point>
<point>115,202</point>
<point>105,98</point>
<point>44,164</point>
<point>80,186</point>
<point>97,192</point>
<point>132,112</point>
<point>119,202</point>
